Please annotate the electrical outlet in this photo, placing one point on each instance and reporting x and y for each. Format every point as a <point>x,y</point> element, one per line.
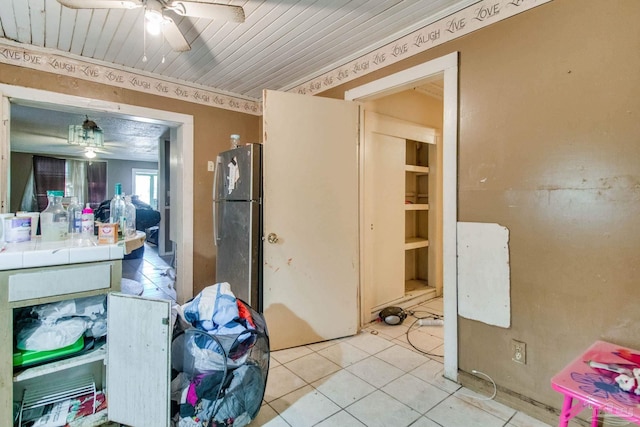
<point>519,352</point>
<point>210,166</point>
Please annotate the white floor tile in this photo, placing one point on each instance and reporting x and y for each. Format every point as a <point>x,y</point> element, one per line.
<point>485,403</point>
<point>391,331</point>
<point>369,342</point>
<point>381,410</point>
<point>341,419</point>
<point>402,358</point>
<point>523,420</point>
<point>375,371</point>
<point>304,407</point>
<point>415,393</point>
<point>432,372</point>
<point>425,422</point>
<point>284,356</point>
<point>343,388</point>
<point>453,412</point>
<point>268,417</point>
<point>344,354</point>
<point>281,381</point>
<point>312,367</point>
<point>324,344</point>
<point>421,340</point>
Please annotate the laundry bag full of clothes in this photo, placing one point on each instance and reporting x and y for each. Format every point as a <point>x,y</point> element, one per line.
<point>220,360</point>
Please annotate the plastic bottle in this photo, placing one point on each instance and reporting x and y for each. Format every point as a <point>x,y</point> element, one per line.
<point>74,213</point>
<point>235,140</point>
<point>130,215</point>
<point>53,220</point>
<point>87,221</point>
<point>117,210</point>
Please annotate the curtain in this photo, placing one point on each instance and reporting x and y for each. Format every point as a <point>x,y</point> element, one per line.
<point>97,183</point>
<point>86,180</point>
<point>49,174</point>
<point>29,202</point>
<point>77,182</point>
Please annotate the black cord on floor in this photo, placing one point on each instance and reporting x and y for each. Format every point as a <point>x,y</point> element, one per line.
<point>418,318</point>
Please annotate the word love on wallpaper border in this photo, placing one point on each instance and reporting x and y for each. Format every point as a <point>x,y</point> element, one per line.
<point>463,22</point>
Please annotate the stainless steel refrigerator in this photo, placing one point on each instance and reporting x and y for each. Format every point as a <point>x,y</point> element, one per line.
<point>237,221</point>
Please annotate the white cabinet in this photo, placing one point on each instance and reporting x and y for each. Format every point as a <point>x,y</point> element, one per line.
<point>138,337</point>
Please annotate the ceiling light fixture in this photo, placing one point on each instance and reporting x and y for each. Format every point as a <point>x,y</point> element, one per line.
<point>154,21</point>
<point>87,134</point>
<point>89,153</point>
<point>154,17</point>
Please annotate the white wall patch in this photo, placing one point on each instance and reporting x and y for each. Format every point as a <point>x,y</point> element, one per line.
<point>484,273</point>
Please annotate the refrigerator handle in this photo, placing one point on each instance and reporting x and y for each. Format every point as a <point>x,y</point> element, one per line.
<point>215,201</point>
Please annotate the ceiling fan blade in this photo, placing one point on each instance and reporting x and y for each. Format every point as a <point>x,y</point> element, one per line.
<point>101,4</point>
<point>174,36</point>
<point>207,10</point>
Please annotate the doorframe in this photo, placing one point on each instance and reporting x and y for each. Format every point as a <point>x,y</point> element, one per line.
<point>447,66</point>
<point>183,125</point>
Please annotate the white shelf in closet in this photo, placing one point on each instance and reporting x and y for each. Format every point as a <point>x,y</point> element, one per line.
<point>415,243</point>
<point>421,170</point>
<point>416,207</point>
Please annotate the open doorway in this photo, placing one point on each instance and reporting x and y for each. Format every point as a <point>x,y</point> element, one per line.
<point>181,128</point>
<point>444,70</point>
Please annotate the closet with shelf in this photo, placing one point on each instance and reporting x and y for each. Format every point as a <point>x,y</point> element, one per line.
<point>400,193</point>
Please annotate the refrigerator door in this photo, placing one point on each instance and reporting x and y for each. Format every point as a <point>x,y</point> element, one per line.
<point>238,241</point>
<point>238,174</point>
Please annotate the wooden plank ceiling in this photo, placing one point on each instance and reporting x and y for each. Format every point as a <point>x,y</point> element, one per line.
<point>281,44</point>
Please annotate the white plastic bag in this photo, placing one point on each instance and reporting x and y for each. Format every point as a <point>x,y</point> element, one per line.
<point>38,336</point>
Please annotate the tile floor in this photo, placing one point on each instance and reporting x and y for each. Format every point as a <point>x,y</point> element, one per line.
<point>375,378</point>
<point>151,272</point>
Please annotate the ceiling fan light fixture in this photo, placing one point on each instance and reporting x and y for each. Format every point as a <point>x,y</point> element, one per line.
<point>88,134</point>
<point>154,18</point>
<point>90,153</point>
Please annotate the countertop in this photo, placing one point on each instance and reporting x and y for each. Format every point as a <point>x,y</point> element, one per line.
<point>36,253</point>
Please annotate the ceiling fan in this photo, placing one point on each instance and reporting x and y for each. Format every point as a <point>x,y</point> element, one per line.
<point>155,14</point>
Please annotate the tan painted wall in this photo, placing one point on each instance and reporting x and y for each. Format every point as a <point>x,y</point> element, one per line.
<point>549,142</point>
<point>212,127</point>
<point>550,116</point>
<point>410,105</point>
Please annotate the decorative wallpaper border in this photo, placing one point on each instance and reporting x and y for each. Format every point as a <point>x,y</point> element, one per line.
<point>472,18</point>
<point>62,65</point>
<point>463,22</point>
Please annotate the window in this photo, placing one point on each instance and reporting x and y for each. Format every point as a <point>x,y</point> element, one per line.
<point>145,186</point>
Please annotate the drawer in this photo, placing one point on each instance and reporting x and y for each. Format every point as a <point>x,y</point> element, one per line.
<point>58,281</point>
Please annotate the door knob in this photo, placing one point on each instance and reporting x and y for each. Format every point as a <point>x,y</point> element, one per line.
<point>272,238</point>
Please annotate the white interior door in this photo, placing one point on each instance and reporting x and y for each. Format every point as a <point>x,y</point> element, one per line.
<point>310,271</point>
<point>138,360</point>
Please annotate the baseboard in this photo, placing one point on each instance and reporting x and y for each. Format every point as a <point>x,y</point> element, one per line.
<point>517,401</point>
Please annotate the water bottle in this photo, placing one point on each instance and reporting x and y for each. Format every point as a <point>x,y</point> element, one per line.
<point>117,210</point>
<point>130,215</point>
<point>74,212</point>
<point>53,220</point>
<point>87,221</point>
